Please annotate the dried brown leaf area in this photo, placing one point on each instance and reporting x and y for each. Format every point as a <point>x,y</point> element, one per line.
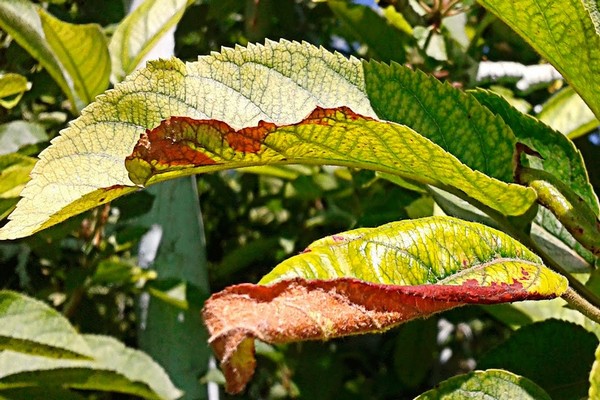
<point>300,309</point>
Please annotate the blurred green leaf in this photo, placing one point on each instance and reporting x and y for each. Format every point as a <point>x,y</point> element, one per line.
<point>12,87</point>
<point>486,385</point>
<point>564,34</point>
<point>385,41</point>
<point>30,326</point>
<point>557,355</point>
<point>415,351</point>
<point>74,55</point>
<point>114,368</point>
<point>567,113</point>
<point>15,134</point>
<point>137,34</point>
<point>82,51</point>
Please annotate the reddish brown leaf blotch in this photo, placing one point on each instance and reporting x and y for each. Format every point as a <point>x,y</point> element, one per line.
<point>300,309</point>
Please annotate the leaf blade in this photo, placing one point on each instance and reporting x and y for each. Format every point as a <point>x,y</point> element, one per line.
<point>115,368</point>
<point>82,51</point>
<point>492,384</point>
<point>19,18</point>
<point>369,280</point>
<point>137,34</point>
<point>30,326</point>
<point>564,34</point>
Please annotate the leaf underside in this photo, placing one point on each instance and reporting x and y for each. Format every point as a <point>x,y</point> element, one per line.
<point>370,280</point>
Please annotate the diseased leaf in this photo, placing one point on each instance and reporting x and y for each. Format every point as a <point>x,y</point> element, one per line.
<point>564,349</point>
<point>369,280</point>
<point>452,119</point>
<point>30,326</point>
<point>492,384</point>
<point>84,166</point>
<point>567,113</point>
<point>20,19</point>
<point>82,51</point>
<point>12,87</point>
<point>564,34</point>
<point>137,34</point>
<point>115,368</point>
<point>327,136</point>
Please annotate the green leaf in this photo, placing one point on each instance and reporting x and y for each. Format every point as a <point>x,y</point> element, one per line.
<point>15,134</point>
<point>20,19</point>
<point>82,51</point>
<point>594,391</point>
<point>137,34</point>
<point>567,113</point>
<point>452,119</point>
<point>183,146</point>
<point>564,34</point>
<point>559,156</point>
<point>14,174</point>
<point>84,166</point>
<point>369,280</point>
<point>30,326</point>
<point>486,385</point>
<point>75,56</point>
<point>577,217</point>
<point>12,87</point>
<point>385,42</point>
<point>565,350</point>
<point>115,368</point>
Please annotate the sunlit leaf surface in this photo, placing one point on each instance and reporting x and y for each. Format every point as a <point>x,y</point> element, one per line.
<point>369,280</point>
<point>327,136</point>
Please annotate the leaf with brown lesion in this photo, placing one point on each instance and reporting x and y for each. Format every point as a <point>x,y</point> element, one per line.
<point>370,280</point>
<point>327,136</point>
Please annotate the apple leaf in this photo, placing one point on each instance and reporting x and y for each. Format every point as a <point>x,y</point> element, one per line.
<point>327,136</point>
<point>370,280</point>
<point>12,88</point>
<point>30,326</point>
<point>75,56</point>
<point>567,113</point>
<point>493,384</point>
<point>84,166</point>
<point>137,34</point>
<point>114,368</point>
<point>564,34</point>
